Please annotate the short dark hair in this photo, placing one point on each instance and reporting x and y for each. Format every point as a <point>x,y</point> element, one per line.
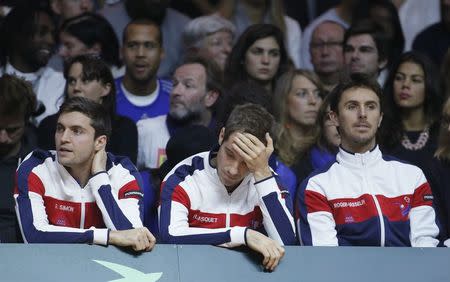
<point>243,92</point>
<point>356,82</point>
<point>143,21</point>
<point>94,68</point>
<point>235,70</point>
<point>100,119</point>
<point>16,96</point>
<point>249,118</point>
<point>368,26</point>
<point>90,29</point>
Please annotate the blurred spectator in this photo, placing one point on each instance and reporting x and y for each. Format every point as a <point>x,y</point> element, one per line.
<point>435,39</point>
<point>325,146</point>
<point>90,77</point>
<point>384,13</point>
<point>438,176</point>
<point>248,12</point>
<point>415,16</point>
<point>67,9</point>
<point>445,75</point>
<point>196,8</point>
<point>258,55</point>
<point>413,104</point>
<point>171,21</point>
<point>197,88</point>
<point>140,93</point>
<point>211,36</point>
<point>27,44</point>
<point>327,54</point>
<point>341,13</point>
<point>17,139</point>
<point>90,34</point>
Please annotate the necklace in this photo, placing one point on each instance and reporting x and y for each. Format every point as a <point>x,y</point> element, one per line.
<point>420,143</point>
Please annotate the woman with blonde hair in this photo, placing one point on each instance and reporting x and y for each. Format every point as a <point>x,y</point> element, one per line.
<point>298,96</point>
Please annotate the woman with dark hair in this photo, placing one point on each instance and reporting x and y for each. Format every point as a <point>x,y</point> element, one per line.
<point>244,13</point>
<point>90,34</point>
<point>89,76</point>
<point>258,55</point>
<point>413,103</point>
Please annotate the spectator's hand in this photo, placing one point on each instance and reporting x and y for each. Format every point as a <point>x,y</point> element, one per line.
<point>269,248</point>
<point>140,239</point>
<point>255,154</point>
<point>99,161</point>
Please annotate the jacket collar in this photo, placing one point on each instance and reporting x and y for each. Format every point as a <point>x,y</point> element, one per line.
<point>358,160</point>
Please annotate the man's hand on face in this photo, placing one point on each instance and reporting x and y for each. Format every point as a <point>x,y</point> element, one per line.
<point>255,154</point>
<point>269,248</point>
<point>140,239</point>
<point>99,162</point>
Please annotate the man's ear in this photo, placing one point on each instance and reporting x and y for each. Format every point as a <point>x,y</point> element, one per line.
<point>334,118</point>
<point>382,64</point>
<point>211,97</point>
<point>221,135</point>
<point>56,6</point>
<point>381,119</point>
<point>105,89</point>
<point>100,142</point>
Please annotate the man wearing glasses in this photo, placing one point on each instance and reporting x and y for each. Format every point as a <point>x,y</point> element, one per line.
<point>326,52</point>
<point>17,100</point>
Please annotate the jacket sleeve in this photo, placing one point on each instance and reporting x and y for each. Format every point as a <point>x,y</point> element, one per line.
<point>31,212</point>
<point>424,229</point>
<point>174,225</point>
<point>277,218</point>
<point>119,196</point>
<point>315,222</point>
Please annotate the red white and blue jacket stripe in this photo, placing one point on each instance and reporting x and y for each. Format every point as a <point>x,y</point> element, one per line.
<point>195,207</point>
<point>366,200</point>
<point>53,208</point>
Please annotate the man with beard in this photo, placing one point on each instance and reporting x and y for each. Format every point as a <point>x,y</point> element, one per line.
<point>171,21</point>
<point>17,139</point>
<point>25,49</point>
<point>364,198</point>
<point>197,87</point>
<point>140,93</point>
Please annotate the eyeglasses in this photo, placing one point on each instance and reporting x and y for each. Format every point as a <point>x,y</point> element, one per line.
<point>328,44</point>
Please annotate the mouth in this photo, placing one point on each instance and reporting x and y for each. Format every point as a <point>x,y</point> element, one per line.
<point>404,96</point>
<point>362,126</point>
<point>64,150</point>
<point>264,71</point>
<point>140,67</point>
